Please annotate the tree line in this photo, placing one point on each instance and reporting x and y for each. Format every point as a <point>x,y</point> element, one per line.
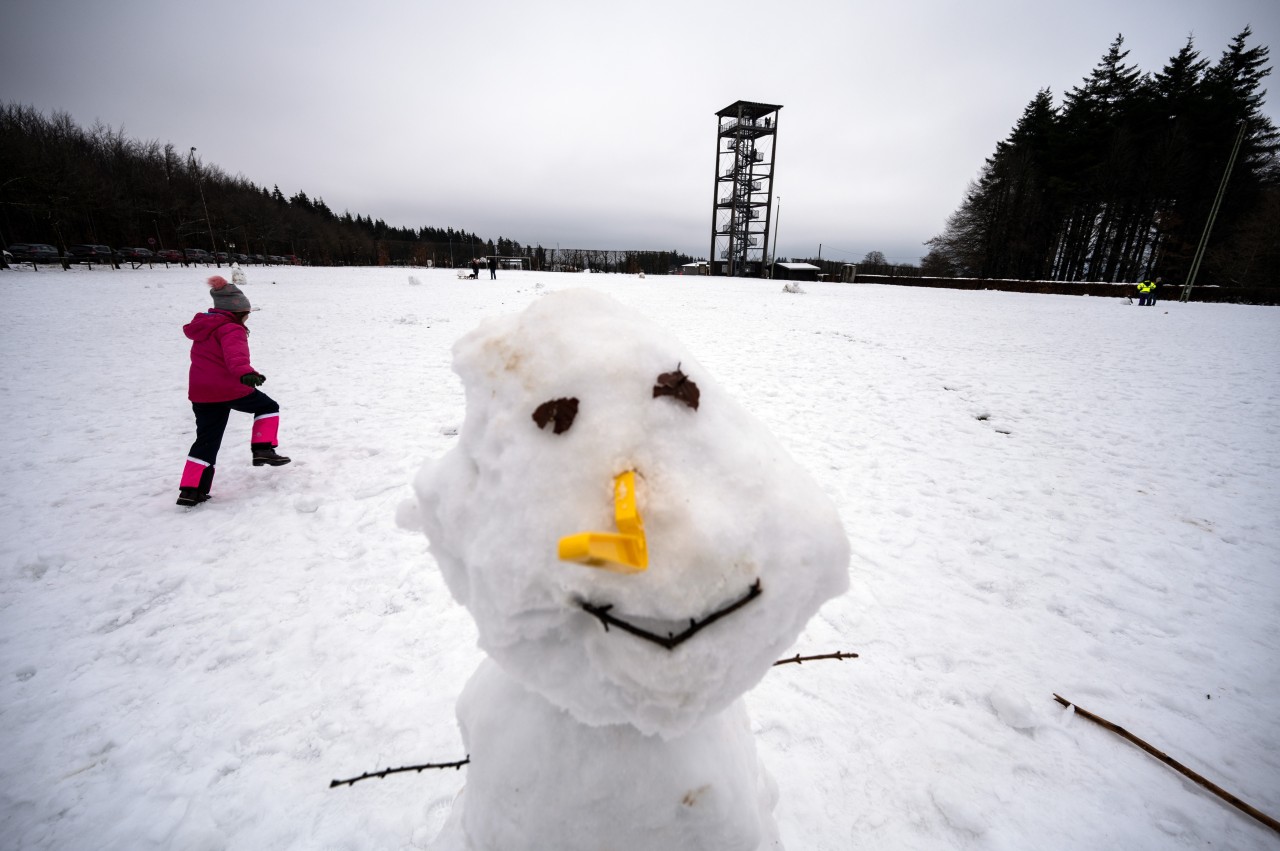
<point>63,184</point>
<point>1118,183</point>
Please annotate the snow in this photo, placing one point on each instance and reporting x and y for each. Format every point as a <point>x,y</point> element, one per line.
<point>1043,494</point>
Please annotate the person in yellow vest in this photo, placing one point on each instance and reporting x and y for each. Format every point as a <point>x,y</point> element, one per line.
<point>1145,288</point>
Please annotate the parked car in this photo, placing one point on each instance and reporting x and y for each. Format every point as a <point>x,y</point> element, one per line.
<point>240,258</point>
<point>89,254</point>
<point>37,252</point>
<point>134,255</point>
<point>169,255</point>
<point>257,258</point>
<point>222,257</point>
<point>197,255</point>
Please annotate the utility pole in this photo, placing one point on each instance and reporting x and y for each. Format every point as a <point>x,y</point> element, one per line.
<point>200,185</point>
<point>1213,214</point>
<point>777,217</point>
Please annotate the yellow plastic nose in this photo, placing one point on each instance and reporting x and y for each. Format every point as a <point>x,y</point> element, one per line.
<point>623,551</point>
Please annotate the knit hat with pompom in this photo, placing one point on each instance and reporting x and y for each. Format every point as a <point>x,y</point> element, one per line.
<point>227,296</point>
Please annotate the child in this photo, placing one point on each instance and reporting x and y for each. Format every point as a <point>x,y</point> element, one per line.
<point>223,380</point>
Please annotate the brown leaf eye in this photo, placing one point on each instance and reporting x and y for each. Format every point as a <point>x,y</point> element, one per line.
<point>678,385</point>
<point>559,412</point>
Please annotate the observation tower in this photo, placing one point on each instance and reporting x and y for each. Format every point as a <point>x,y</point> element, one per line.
<point>746,145</point>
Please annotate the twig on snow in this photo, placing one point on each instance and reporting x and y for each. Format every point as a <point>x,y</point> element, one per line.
<point>797,659</point>
<point>1175,765</point>
<point>351,781</point>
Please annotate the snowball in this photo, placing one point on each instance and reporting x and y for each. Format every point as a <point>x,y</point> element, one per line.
<point>307,504</point>
<point>1013,709</point>
<point>407,515</point>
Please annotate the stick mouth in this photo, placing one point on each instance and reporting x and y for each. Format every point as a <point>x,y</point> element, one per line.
<point>667,633</point>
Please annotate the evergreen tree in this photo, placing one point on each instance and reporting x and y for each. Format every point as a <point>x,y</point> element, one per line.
<point>1118,183</point>
<point>1235,95</point>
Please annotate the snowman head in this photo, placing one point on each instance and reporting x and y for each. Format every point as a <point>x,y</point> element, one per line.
<point>632,544</point>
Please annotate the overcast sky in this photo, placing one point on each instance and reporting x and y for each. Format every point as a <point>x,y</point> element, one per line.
<point>592,124</point>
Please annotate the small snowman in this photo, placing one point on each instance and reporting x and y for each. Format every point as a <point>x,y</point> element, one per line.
<point>238,277</point>
<point>636,551</point>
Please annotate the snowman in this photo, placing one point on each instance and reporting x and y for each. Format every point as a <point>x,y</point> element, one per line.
<point>636,551</point>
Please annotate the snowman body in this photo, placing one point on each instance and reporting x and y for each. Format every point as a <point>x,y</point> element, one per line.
<point>609,714</point>
<point>539,778</point>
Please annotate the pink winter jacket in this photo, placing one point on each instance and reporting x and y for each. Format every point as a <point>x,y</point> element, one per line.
<point>219,356</point>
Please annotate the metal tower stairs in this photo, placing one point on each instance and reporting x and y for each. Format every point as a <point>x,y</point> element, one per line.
<point>746,142</point>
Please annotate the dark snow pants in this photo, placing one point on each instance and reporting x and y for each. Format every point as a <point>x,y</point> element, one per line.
<point>211,421</point>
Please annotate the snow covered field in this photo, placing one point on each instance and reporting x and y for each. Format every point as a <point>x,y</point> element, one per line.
<point>1043,494</point>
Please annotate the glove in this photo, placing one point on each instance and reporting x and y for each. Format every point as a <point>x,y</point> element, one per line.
<point>253,379</point>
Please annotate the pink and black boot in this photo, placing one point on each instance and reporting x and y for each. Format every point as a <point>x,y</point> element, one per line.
<point>197,478</point>
<point>265,429</point>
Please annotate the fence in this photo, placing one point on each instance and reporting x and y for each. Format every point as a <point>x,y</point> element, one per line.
<point>1168,292</point>
<point>457,255</point>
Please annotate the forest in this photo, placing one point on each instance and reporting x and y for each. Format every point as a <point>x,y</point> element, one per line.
<point>1120,182</point>
<point>62,184</point>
